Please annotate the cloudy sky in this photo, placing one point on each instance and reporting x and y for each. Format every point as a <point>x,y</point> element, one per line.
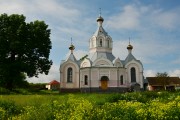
<point>152,25</point>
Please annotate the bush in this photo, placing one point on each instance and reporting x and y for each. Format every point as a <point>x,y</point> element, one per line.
<point>129,106</point>
<point>4,91</point>
<point>10,108</point>
<point>2,114</point>
<point>21,91</point>
<point>115,97</point>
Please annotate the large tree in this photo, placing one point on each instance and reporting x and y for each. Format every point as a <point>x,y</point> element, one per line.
<point>24,49</point>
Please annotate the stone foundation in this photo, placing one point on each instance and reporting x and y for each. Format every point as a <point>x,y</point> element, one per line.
<point>71,90</point>
<point>95,90</point>
<point>108,90</point>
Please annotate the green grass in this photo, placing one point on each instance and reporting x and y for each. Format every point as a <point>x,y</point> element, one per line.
<point>24,100</point>
<point>49,105</point>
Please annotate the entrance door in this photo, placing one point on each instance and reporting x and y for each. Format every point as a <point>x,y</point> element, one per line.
<point>104,82</point>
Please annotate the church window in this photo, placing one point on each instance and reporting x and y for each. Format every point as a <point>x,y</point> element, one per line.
<point>133,74</point>
<point>85,80</point>
<point>100,42</point>
<point>69,75</point>
<point>121,80</point>
<point>108,43</point>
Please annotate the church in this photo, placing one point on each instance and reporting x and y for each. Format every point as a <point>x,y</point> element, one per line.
<point>100,70</point>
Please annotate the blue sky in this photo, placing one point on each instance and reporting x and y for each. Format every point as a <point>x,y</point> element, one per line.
<point>152,25</point>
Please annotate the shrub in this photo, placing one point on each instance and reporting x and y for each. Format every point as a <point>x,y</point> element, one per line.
<point>129,106</point>
<point>10,108</point>
<point>4,91</point>
<point>21,91</point>
<point>2,113</point>
<point>115,97</point>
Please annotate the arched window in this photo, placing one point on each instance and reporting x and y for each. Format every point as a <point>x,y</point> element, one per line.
<point>108,43</point>
<point>85,80</point>
<point>133,74</point>
<point>100,42</point>
<point>121,80</point>
<point>69,74</point>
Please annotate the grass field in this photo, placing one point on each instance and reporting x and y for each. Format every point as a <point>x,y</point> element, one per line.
<point>95,106</point>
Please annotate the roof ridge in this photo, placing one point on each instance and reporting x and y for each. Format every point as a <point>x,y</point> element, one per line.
<point>129,58</point>
<point>71,57</point>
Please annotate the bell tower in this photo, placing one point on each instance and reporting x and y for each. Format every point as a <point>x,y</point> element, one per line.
<point>101,42</point>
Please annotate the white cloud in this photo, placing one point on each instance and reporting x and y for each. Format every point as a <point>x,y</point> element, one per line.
<point>174,73</point>
<point>143,50</point>
<point>76,35</point>
<point>119,49</point>
<point>153,48</point>
<point>80,53</point>
<point>42,78</point>
<point>59,10</point>
<point>77,53</point>
<point>141,17</point>
<point>149,73</point>
<point>165,19</point>
<point>12,6</point>
<point>39,9</point>
<point>128,19</point>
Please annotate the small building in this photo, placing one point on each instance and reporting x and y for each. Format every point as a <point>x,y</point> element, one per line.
<point>163,83</point>
<point>53,85</point>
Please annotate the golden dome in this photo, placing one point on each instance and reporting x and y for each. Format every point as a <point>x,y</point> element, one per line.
<point>129,47</point>
<point>100,19</point>
<point>71,47</point>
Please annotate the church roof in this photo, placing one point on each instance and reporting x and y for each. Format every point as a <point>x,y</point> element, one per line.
<point>129,58</point>
<point>71,57</point>
<point>100,31</point>
<point>54,82</point>
<point>163,80</point>
<point>96,55</point>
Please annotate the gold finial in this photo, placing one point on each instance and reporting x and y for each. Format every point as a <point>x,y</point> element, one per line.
<point>129,46</point>
<point>100,18</point>
<point>71,47</point>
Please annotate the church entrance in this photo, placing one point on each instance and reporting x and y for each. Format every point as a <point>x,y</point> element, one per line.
<point>104,82</point>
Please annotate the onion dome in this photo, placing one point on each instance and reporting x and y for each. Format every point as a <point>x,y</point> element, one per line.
<point>71,47</point>
<point>100,19</point>
<point>129,47</point>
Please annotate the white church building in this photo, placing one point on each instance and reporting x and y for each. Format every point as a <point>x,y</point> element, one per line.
<point>100,70</point>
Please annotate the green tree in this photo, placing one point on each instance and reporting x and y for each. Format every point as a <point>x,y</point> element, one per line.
<point>24,49</point>
<point>163,77</point>
<point>164,74</point>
